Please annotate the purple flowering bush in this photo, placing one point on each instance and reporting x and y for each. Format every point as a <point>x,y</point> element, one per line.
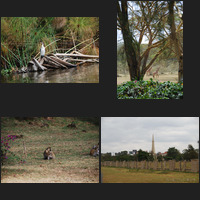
<point>5,148</point>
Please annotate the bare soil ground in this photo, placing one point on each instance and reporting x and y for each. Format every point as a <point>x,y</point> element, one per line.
<point>72,164</point>
<point>162,78</point>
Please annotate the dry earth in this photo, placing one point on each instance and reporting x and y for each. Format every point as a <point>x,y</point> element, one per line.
<point>43,174</point>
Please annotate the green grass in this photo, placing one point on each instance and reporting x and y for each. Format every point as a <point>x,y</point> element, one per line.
<point>124,175</point>
<point>71,147</point>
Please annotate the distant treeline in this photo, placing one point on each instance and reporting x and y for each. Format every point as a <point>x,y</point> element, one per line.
<point>172,154</point>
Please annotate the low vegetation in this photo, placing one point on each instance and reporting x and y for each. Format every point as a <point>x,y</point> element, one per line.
<point>123,175</point>
<point>150,90</point>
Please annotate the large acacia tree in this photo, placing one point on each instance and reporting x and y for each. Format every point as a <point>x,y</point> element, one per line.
<point>144,19</point>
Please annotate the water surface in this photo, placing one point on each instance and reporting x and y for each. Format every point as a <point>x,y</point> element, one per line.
<point>82,74</point>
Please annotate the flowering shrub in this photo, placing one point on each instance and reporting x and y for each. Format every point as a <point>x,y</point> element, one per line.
<point>5,147</point>
<point>150,90</point>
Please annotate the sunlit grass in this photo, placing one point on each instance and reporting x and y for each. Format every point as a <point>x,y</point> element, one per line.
<point>123,175</point>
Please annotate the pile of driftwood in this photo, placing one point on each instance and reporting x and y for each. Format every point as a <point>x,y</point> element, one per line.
<point>59,61</point>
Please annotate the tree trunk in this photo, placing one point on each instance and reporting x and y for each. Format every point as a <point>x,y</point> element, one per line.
<point>175,41</point>
<point>129,42</point>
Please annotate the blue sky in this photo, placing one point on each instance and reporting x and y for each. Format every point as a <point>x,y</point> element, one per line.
<point>128,133</point>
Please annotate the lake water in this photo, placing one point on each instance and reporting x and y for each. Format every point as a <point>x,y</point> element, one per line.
<point>82,74</point>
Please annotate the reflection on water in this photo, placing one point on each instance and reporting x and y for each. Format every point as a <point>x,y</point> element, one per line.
<point>83,74</point>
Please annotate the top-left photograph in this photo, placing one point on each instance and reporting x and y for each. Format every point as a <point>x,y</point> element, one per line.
<point>49,50</point>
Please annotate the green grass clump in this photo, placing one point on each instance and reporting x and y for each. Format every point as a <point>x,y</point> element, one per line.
<point>150,90</point>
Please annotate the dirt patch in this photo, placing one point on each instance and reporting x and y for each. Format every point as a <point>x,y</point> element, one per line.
<point>62,174</point>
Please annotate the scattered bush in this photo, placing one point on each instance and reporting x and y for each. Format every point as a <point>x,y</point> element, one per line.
<point>150,90</point>
<point>5,148</point>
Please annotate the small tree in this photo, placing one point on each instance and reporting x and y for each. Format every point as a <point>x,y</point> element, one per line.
<point>143,155</point>
<point>173,154</point>
<point>190,153</point>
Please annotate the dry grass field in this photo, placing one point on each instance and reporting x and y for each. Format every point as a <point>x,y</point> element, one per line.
<point>73,164</point>
<point>123,175</point>
<point>162,78</point>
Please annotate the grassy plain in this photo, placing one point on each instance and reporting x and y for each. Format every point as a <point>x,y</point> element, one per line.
<point>73,164</point>
<point>124,175</point>
<point>162,78</point>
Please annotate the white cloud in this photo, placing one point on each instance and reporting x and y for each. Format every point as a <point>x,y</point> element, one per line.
<point>128,133</point>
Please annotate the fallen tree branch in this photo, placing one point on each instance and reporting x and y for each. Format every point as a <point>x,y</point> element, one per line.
<point>76,55</point>
<point>81,60</point>
<point>53,60</point>
<point>38,65</point>
<point>59,61</point>
<point>67,64</point>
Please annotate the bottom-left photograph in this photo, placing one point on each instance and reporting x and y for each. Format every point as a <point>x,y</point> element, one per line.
<point>50,149</point>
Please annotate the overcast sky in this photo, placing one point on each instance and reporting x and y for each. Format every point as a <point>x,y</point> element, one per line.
<point>128,133</point>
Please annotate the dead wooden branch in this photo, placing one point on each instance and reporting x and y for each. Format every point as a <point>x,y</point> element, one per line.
<point>38,65</point>
<point>76,55</point>
<point>67,64</point>
<point>56,62</point>
<point>81,60</point>
<point>59,61</point>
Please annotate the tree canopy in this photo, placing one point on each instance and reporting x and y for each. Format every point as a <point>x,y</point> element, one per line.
<point>154,22</point>
<point>172,154</point>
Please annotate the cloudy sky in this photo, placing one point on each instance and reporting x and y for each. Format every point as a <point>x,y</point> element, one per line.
<point>128,133</point>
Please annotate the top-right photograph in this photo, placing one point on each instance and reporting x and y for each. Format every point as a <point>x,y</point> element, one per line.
<point>150,49</point>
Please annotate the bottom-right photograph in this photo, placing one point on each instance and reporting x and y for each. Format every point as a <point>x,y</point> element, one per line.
<point>150,150</point>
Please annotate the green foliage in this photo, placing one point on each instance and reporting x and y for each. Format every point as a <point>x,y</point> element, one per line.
<point>82,27</point>
<point>5,72</point>
<point>5,149</point>
<point>159,158</point>
<point>173,154</point>
<point>143,155</point>
<point>108,157</point>
<point>150,90</point>
<point>21,37</point>
<point>190,153</point>
<point>123,156</point>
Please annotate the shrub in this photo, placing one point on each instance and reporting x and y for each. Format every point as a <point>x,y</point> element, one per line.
<point>150,90</point>
<point>5,148</point>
